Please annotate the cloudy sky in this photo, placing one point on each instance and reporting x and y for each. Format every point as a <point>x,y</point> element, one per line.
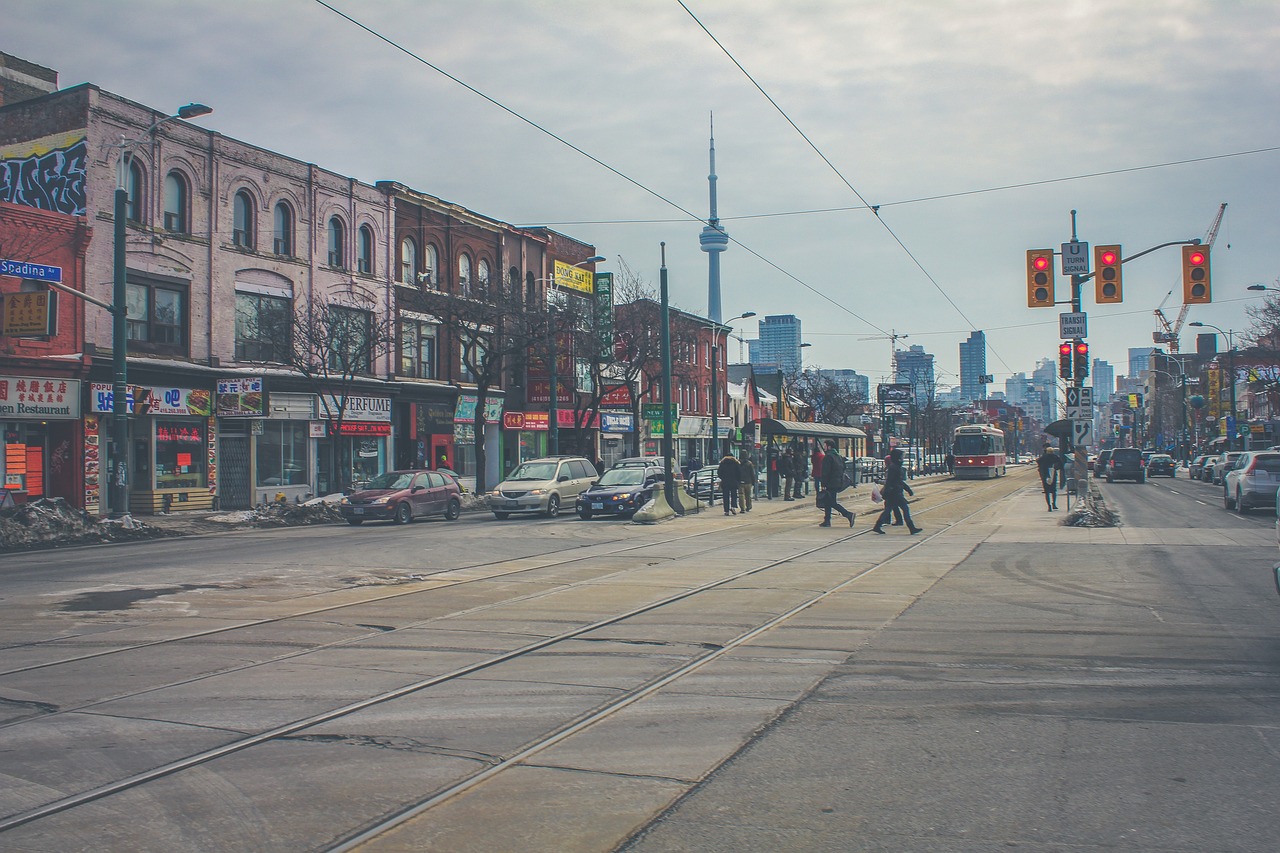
<point>974,127</point>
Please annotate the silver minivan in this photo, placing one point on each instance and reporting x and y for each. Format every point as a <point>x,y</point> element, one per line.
<point>541,485</point>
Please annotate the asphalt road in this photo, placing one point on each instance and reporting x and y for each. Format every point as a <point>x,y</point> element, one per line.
<point>746,683</point>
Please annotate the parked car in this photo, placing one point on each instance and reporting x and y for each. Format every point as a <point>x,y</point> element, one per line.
<point>402,496</point>
<point>620,491</point>
<point>1252,482</point>
<point>1100,463</point>
<point>1222,463</point>
<point>541,486</point>
<point>1162,464</point>
<point>702,483</point>
<point>1126,464</point>
<point>640,462</point>
<point>1196,471</point>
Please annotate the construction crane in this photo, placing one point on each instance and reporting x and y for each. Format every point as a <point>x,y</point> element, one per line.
<point>1169,335</point>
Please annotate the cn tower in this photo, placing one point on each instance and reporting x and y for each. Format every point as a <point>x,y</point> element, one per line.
<point>714,240</point>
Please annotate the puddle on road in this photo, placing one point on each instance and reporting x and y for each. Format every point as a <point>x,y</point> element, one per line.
<point>123,599</point>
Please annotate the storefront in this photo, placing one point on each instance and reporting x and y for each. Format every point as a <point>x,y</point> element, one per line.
<point>428,428</point>
<point>617,432</point>
<point>173,448</point>
<point>264,443</point>
<point>530,432</point>
<point>359,446</point>
<point>40,422</point>
<point>464,436</point>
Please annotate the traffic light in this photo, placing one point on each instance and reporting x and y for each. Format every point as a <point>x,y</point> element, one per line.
<point>1106,274</point>
<point>1064,360</point>
<point>1082,359</point>
<point>1195,275</point>
<point>1039,278</point>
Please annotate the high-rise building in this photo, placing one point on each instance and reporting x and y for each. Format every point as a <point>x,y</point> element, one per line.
<point>1044,391</point>
<point>973,366</point>
<point>858,385</point>
<point>913,366</point>
<point>1139,360</point>
<point>1104,380</point>
<point>779,343</point>
<point>1017,389</point>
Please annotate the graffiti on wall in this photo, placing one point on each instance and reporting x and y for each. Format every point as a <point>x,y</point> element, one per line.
<point>48,173</point>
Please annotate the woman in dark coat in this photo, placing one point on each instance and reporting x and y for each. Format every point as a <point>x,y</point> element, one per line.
<point>895,490</point>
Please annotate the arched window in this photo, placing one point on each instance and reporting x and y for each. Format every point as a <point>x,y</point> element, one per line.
<point>175,203</point>
<point>530,289</point>
<point>242,230</point>
<point>464,275</point>
<point>133,193</point>
<point>431,265</point>
<point>514,292</point>
<point>283,242</point>
<point>482,278</point>
<point>364,255</point>
<point>336,248</point>
<point>408,262</point>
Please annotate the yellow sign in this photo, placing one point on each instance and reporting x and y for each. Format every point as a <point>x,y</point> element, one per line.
<point>573,278</point>
<point>27,314</point>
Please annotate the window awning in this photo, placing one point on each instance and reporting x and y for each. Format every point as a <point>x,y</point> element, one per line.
<point>771,426</point>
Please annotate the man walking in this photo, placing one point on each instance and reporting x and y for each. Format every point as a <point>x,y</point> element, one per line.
<point>800,470</point>
<point>1049,464</point>
<point>747,469</point>
<point>786,468</point>
<point>831,480</point>
<point>730,474</point>
<point>895,491</point>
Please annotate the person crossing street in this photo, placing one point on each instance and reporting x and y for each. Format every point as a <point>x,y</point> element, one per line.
<point>832,479</point>
<point>895,491</point>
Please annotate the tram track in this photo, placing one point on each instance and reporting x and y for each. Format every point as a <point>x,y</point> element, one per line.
<point>303,723</point>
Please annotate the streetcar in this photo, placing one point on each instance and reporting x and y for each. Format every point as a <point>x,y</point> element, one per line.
<point>979,452</point>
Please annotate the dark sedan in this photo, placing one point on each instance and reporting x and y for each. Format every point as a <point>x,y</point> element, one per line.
<point>402,496</point>
<point>1162,464</point>
<point>620,491</point>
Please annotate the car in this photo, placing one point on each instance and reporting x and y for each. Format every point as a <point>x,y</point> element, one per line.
<point>1100,463</point>
<point>541,486</point>
<point>1252,482</point>
<point>1196,470</point>
<point>703,484</point>
<point>1222,463</point>
<point>402,496</point>
<point>1126,464</point>
<point>620,491</point>
<point>869,468</point>
<point>640,462</point>
<point>1090,459</point>
<point>1162,463</point>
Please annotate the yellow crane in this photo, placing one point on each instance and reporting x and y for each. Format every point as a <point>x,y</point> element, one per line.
<point>1169,335</point>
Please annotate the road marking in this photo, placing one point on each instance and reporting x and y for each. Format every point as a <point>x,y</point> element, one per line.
<point>1202,503</point>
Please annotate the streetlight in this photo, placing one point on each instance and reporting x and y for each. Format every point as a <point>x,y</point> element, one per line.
<point>120,313</point>
<point>553,411</point>
<point>1181,376</point>
<point>1231,372</point>
<point>715,390</point>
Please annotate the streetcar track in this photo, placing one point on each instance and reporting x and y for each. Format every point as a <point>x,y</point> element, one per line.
<point>298,725</point>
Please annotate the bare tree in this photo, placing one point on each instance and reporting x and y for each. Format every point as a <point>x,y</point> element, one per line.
<point>830,400</point>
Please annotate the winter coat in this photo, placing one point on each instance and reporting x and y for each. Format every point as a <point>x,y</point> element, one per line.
<point>730,473</point>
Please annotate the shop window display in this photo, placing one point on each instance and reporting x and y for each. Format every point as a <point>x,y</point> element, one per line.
<point>282,454</point>
<point>180,454</point>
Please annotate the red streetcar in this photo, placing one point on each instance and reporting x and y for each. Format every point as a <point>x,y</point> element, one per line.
<point>979,452</point>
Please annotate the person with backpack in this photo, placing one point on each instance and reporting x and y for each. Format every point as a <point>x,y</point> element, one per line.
<point>895,491</point>
<point>832,480</point>
<point>730,474</point>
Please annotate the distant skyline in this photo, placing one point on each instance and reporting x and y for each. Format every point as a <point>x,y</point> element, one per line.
<point>951,137</point>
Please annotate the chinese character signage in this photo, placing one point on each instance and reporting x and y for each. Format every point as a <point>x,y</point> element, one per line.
<point>241,398</point>
<point>604,314</point>
<point>153,400</point>
<point>466,410</point>
<point>27,314</point>
<point>39,397</point>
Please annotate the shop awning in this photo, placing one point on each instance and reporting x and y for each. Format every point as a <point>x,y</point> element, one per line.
<point>770,426</point>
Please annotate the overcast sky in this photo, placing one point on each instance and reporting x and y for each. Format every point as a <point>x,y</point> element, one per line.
<point>975,127</point>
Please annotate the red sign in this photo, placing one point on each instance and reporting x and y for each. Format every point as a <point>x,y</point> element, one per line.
<point>361,428</point>
<point>513,420</point>
<point>617,398</point>
<point>536,421</point>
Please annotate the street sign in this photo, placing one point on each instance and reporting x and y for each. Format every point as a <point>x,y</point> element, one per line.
<point>1075,258</point>
<point>34,272</point>
<point>1073,325</point>
<point>1082,433</point>
<point>1079,403</point>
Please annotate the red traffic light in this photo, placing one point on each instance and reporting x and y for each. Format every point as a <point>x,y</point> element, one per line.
<point>1064,349</point>
<point>1040,263</point>
<point>1081,348</point>
<point>1196,258</point>
<point>1108,257</point>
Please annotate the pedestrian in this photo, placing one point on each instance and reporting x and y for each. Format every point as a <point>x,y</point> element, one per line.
<point>786,469</point>
<point>950,460</point>
<point>897,510</point>
<point>817,468</point>
<point>730,474</point>
<point>895,491</point>
<point>1049,465</point>
<point>830,481</point>
<point>599,465</point>
<point>748,487</point>
<point>771,473</point>
<point>801,472</point>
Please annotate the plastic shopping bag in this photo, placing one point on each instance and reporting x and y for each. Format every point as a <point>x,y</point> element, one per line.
<point>876,497</point>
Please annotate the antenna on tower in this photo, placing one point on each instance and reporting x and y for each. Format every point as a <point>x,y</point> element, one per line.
<point>714,239</point>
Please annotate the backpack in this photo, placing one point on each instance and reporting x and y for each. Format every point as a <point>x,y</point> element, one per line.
<point>845,479</point>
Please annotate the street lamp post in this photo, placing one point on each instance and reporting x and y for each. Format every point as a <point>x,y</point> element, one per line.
<point>1181,377</point>
<point>119,496</point>
<point>715,388</point>
<point>553,411</point>
<point>1231,376</point>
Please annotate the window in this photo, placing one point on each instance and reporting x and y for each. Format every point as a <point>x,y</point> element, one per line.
<point>470,352</point>
<point>364,258</point>
<point>464,275</point>
<point>181,454</point>
<point>156,315</point>
<point>336,249</point>
<point>530,289</point>
<point>408,261</point>
<point>513,286</point>
<point>482,278</point>
<point>242,221</point>
<point>263,327</point>
<point>133,192</point>
<point>431,265</point>
<point>350,331</point>
<point>283,243</point>
<point>175,203</point>
<point>417,349</point>
<point>281,453</point>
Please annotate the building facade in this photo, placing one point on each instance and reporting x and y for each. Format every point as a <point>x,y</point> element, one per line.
<point>913,366</point>
<point>779,343</point>
<point>973,367</point>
